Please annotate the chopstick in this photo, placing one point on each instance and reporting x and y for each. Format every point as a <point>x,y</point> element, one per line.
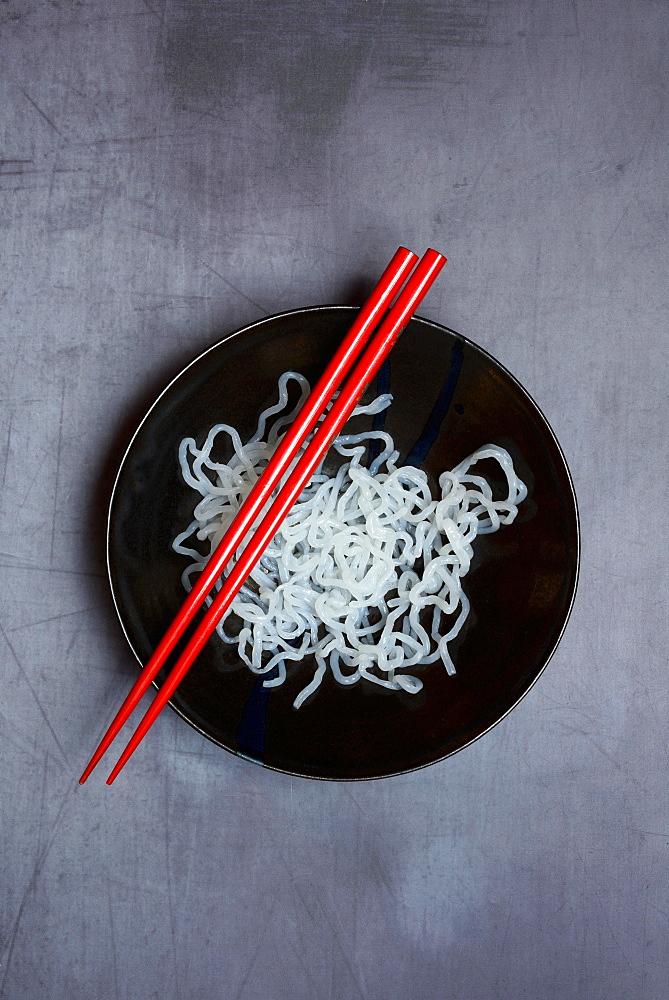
<point>355,386</point>
<point>343,359</point>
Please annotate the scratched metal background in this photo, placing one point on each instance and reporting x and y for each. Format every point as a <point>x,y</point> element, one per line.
<point>171,170</point>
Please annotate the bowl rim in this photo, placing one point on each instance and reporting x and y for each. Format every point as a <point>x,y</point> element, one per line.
<point>572,496</point>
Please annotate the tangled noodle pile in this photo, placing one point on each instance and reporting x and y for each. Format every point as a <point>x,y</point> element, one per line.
<point>365,574</point>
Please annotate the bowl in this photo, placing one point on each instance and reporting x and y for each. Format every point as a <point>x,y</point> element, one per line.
<point>449,398</point>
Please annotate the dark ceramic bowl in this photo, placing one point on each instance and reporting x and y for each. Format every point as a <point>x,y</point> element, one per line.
<point>450,397</point>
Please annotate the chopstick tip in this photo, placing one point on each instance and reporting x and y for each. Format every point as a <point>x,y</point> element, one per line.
<point>114,774</point>
<point>86,773</point>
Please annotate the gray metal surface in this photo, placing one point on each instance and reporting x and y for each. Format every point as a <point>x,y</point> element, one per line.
<point>169,171</point>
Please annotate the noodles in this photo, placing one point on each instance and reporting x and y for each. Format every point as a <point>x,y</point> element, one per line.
<point>365,574</point>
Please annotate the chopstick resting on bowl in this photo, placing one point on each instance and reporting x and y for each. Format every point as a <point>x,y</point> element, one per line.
<point>366,321</point>
<point>364,372</point>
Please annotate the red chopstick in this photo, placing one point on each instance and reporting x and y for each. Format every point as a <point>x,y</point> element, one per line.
<point>362,375</point>
<point>349,349</point>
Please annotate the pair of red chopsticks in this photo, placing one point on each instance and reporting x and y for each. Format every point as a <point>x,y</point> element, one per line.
<point>362,375</point>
